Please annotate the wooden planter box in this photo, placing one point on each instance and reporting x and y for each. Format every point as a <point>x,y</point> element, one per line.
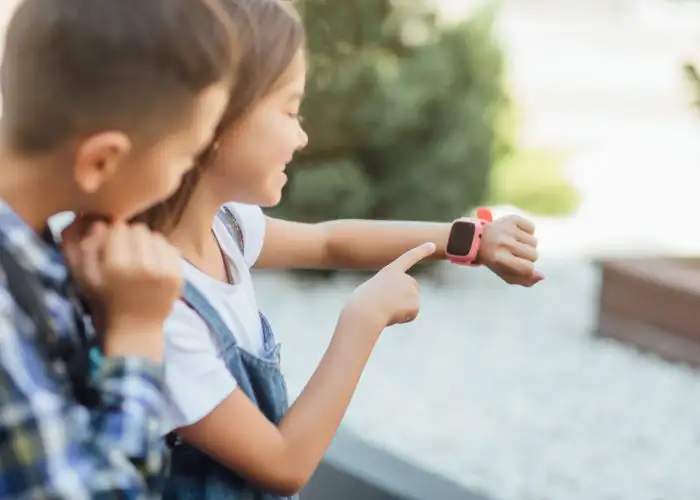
<point>654,305</point>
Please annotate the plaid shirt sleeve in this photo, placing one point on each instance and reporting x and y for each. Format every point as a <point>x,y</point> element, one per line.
<point>53,447</point>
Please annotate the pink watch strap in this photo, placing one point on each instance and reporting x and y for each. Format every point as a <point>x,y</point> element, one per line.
<point>484,216</point>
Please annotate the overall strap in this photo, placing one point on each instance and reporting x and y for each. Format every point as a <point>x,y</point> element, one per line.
<point>233,226</point>
<point>195,300</point>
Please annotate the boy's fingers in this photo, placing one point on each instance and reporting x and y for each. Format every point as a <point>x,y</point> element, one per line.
<point>117,251</point>
<point>71,233</point>
<point>91,270</point>
<point>81,229</point>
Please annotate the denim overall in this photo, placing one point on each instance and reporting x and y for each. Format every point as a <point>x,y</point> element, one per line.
<point>193,474</point>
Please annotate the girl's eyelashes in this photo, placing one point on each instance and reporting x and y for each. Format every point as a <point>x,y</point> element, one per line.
<point>297,116</point>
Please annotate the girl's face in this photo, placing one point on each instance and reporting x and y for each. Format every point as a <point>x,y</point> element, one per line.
<point>253,154</point>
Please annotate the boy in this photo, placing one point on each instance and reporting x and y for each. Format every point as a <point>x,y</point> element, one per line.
<point>106,105</point>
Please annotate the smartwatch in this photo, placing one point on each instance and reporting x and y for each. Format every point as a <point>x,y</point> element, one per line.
<point>465,238</point>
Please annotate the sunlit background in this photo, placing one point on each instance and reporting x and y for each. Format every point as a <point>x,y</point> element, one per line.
<point>582,114</point>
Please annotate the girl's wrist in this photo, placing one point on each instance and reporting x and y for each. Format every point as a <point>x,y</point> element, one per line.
<point>365,323</point>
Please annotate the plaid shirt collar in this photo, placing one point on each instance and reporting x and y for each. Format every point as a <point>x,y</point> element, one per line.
<point>41,257</point>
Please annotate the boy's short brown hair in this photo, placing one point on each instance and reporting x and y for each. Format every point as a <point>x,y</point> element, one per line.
<point>73,68</point>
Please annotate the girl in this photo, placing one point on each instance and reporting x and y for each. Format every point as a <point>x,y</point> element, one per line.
<point>232,434</point>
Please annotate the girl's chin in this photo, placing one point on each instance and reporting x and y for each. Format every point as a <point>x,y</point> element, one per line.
<point>273,201</point>
<point>272,198</point>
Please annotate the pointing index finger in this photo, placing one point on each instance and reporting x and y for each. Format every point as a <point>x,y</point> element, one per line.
<point>413,257</point>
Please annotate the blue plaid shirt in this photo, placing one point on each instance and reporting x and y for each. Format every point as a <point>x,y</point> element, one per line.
<point>51,446</point>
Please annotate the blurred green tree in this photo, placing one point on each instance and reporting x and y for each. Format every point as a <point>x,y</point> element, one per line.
<point>402,111</point>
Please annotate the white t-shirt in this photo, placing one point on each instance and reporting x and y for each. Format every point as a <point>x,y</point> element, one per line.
<point>197,380</point>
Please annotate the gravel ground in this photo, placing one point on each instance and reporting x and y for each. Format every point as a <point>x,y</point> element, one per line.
<point>506,390</point>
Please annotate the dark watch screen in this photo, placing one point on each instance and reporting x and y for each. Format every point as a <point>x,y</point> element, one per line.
<point>461,238</point>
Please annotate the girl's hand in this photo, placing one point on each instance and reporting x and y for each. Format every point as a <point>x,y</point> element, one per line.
<point>390,296</point>
<point>509,249</point>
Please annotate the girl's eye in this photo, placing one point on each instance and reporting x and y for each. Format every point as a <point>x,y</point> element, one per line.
<point>297,117</point>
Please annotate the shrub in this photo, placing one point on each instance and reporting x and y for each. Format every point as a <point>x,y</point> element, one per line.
<point>401,110</point>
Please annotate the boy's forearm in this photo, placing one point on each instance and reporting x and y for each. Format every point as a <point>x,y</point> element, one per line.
<point>365,244</point>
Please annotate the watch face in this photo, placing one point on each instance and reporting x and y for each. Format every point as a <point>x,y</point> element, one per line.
<point>461,238</point>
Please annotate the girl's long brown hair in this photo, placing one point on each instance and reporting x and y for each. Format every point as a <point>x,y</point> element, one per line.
<point>269,34</point>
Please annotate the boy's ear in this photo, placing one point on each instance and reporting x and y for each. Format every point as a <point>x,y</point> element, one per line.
<point>98,158</point>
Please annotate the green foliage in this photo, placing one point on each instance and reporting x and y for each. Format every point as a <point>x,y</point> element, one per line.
<point>402,113</point>
<point>534,181</point>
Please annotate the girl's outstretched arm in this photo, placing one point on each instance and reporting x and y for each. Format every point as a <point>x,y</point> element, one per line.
<point>509,246</point>
<point>345,244</point>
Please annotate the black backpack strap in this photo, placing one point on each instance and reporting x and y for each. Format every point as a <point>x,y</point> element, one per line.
<point>228,217</point>
<point>28,293</point>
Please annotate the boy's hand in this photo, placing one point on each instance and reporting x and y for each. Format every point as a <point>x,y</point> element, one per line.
<point>509,249</point>
<point>129,275</point>
<point>390,296</point>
